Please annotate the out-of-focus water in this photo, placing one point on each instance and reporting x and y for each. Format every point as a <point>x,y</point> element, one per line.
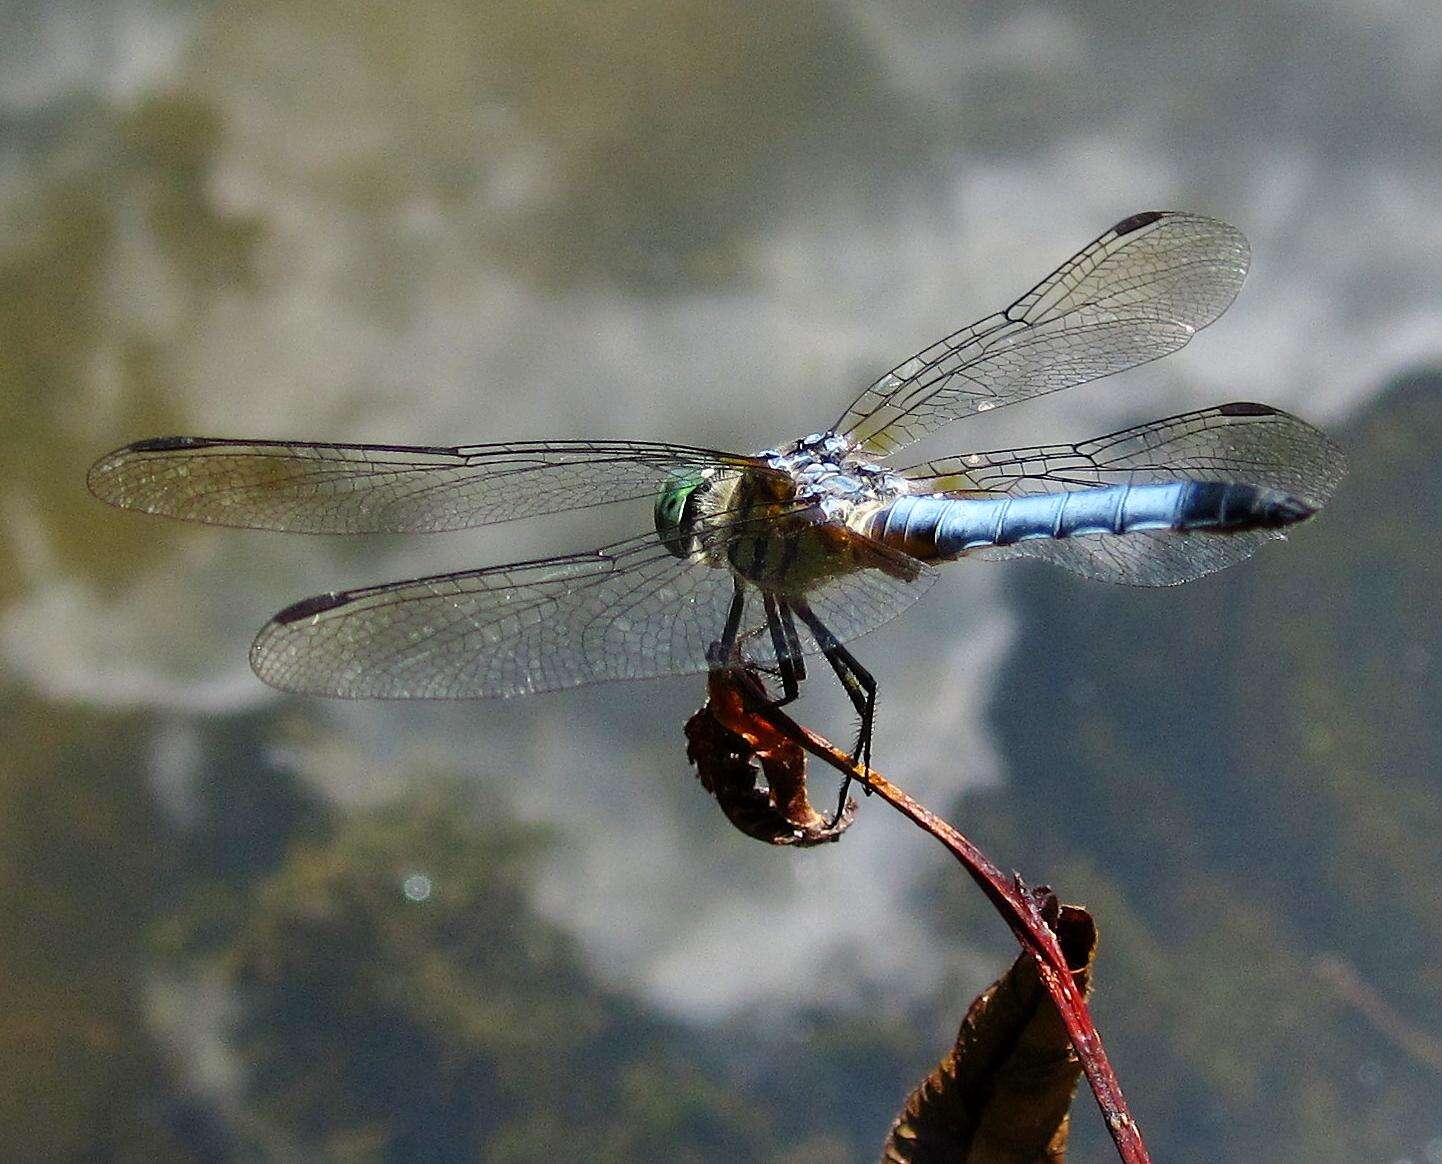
<point>443,222</point>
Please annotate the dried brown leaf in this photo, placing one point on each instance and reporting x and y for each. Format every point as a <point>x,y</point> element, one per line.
<point>757,775</point>
<point>1003,1093</point>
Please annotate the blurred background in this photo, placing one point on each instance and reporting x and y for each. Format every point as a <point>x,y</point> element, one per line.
<point>237,925</point>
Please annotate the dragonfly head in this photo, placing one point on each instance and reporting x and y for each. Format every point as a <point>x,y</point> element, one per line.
<point>673,511</point>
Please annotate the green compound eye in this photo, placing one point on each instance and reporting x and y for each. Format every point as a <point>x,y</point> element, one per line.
<point>671,521</point>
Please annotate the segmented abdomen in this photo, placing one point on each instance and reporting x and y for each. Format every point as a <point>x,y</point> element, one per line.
<point>943,527</point>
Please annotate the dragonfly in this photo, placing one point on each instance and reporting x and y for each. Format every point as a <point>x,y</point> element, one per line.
<point>774,556</point>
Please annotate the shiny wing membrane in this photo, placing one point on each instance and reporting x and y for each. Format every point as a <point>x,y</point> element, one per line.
<point>628,611</point>
<point>1251,444</point>
<point>1137,293</point>
<point>314,487</point>
<point>1145,558</point>
<point>1244,443</point>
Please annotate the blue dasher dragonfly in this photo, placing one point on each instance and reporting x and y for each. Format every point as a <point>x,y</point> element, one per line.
<point>771,556</point>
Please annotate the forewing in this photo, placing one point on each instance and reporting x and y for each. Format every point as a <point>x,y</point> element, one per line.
<point>1137,293</point>
<point>314,487</point>
<point>1251,444</point>
<point>629,611</point>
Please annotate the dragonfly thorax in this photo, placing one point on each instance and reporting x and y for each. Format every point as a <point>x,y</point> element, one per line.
<point>824,472</point>
<point>816,481</point>
<point>785,527</point>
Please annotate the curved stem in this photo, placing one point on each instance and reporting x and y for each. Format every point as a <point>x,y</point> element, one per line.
<point>1021,909</point>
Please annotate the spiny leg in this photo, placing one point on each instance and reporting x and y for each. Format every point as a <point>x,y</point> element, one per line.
<point>861,690</point>
<point>858,682</point>
<point>859,685</point>
<point>788,663</point>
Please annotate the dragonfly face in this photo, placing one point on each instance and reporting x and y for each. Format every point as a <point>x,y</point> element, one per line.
<point>779,554</point>
<point>675,513</point>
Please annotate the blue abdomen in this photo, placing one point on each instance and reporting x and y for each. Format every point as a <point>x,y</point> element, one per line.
<point>944,527</point>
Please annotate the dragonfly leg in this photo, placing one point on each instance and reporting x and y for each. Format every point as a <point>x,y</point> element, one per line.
<point>720,654</point>
<point>859,685</point>
<point>793,640</point>
<point>787,659</point>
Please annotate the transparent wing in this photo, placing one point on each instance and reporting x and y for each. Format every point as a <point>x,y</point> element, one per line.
<point>1251,444</point>
<point>628,611</point>
<point>1151,558</point>
<point>313,487</point>
<point>1137,293</point>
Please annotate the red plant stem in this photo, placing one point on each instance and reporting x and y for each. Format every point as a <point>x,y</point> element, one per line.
<point>1018,907</point>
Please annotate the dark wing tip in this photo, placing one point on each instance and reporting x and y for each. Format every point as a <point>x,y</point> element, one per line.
<point>309,607</point>
<point>168,444</point>
<point>106,477</point>
<point>1326,463</point>
<point>1137,221</point>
